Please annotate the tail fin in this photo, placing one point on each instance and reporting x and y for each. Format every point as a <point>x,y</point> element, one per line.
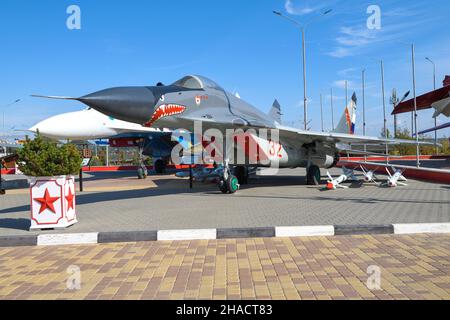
<point>275,111</point>
<point>348,120</point>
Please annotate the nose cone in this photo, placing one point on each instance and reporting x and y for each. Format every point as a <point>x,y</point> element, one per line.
<point>46,128</point>
<point>34,128</point>
<point>133,104</point>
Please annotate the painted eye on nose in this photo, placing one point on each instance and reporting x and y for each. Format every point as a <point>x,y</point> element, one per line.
<point>162,98</point>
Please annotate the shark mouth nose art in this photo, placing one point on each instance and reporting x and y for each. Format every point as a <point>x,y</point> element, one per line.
<point>165,110</point>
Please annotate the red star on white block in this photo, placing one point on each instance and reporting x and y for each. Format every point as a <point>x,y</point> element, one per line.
<point>69,199</point>
<point>47,202</point>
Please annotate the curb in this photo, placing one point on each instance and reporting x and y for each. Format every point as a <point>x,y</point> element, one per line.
<point>221,233</point>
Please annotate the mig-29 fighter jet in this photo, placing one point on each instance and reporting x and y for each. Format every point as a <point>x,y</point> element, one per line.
<point>196,101</point>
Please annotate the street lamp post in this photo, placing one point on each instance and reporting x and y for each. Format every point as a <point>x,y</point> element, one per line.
<point>305,99</point>
<point>302,29</point>
<point>384,109</point>
<point>364,109</point>
<point>364,100</point>
<point>415,106</point>
<point>332,111</point>
<point>321,112</point>
<point>434,88</point>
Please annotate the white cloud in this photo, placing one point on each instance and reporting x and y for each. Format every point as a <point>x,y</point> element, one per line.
<point>340,52</point>
<point>356,38</point>
<point>291,8</point>
<point>352,38</point>
<point>341,84</point>
<point>346,72</point>
<point>327,98</point>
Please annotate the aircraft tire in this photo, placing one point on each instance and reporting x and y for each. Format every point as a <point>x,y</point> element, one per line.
<point>232,184</point>
<point>159,166</point>
<point>223,186</point>
<point>313,176</point>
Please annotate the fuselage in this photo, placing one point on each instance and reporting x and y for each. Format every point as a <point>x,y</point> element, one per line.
<point>194,101</point>
<point>88,124</point>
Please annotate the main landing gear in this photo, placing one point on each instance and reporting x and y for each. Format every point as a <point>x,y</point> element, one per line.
<point>241,173</point>
<point>313,176</point>
<point>228,183</point>
<point>142,172</point>
<point>160,166</point>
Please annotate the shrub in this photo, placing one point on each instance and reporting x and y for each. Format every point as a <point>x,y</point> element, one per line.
<point>44,158</point>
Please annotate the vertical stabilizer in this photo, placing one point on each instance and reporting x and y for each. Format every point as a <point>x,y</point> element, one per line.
<point>348,119</point>
<point>275,111</point>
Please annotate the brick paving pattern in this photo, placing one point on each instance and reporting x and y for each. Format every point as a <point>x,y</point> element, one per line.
<point>412,267</point>
<point>168,204</point>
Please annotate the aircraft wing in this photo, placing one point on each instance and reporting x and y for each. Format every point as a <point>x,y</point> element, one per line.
<point>367,153</point>
<point>334,138</point>
<point>306,137</point>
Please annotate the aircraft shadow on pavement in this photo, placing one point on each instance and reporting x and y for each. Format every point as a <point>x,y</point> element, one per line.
<point>365,200</point>
<point>94,176</point>
<point>169,187</point>
<point>181,186</point>
<point>15,209</point>
<point>16,224</point>
<point>162,189</point>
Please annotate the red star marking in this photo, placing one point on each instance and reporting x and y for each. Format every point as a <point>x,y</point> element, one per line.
<point>47,202</point>
<point>69,199</point>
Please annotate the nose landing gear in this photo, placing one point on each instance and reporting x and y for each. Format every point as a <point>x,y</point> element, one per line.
<point>231,185</point>
<point>228,183</point>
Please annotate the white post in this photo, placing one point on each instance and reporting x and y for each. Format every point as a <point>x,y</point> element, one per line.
<point>415,106</point>
<point>435,119</point>
<point>332,111</point>
<point>384,109</point>
<point>364,109</point>
<point>321,112</point>
<point>305,99</point>
<point>107,155</point>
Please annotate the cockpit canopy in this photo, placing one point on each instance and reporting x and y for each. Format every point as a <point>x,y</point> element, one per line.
<point>197,82</point>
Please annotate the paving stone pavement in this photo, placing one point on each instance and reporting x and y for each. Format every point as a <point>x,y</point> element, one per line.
<point>411,267</point>
<point>282,200</point>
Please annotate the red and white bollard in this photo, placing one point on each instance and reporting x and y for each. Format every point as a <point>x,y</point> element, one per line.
<point>52,202</point>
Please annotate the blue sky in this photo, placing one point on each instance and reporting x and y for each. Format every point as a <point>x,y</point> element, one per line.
<point>240,44</point>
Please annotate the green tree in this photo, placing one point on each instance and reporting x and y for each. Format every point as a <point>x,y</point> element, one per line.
<point>41,157</point>
<point>445,146</point>
<point>404,149</point>
<point>410,150</point>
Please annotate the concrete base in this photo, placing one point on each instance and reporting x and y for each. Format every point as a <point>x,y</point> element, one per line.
<point>61,227</point>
